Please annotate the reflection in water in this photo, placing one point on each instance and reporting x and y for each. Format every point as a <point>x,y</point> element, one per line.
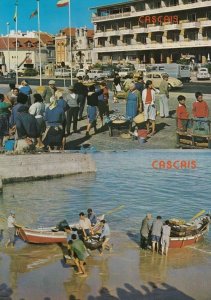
<point>158,266</point>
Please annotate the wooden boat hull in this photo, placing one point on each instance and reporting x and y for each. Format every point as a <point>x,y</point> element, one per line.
<point>36,236</point>
<point>180,242</point>
<point>49,235</point>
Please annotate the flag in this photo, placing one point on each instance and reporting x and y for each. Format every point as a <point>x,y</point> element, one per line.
<point>15,16</point>
<point>33,14</point>
<point>62,3</point>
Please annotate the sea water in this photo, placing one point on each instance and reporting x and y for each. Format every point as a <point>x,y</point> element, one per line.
<point>126,186</point>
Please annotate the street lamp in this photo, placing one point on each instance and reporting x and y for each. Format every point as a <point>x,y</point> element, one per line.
<point>8,45</point>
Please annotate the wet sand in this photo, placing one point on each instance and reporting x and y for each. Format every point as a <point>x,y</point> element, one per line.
<point>33,272</point>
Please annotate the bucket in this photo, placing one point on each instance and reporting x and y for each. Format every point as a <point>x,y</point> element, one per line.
<point>141,140</point>
<point>142,133</point>
<point>9,145</point>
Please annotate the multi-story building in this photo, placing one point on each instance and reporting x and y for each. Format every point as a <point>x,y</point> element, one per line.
<point>27,54</point>
<point>81,46</point>
<point>153,31</point>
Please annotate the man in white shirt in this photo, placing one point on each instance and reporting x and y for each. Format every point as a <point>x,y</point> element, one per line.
<point>85,225</point>
<point>166,231</point>
<point>11,229</point>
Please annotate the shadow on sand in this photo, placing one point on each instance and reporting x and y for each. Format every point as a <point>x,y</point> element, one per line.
<point>149,291</point>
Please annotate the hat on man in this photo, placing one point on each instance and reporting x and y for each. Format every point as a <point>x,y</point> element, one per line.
<point>51,82</point>
<point>12,212</point>
<point>71,87</point>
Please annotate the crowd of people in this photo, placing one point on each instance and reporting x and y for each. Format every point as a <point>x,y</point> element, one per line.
<point>155,235</point>
<point>140,98</point>
<point>44,120</point>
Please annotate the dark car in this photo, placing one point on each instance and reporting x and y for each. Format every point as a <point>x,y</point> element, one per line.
<point>10,74</point>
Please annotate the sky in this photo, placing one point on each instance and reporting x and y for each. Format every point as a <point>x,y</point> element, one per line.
<point>52,18</point>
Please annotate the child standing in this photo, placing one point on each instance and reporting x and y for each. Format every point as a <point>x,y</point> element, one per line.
<point>182,114</point>
<point>200,114</point>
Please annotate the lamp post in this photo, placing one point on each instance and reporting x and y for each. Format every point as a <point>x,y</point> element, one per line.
<point>8,45</point>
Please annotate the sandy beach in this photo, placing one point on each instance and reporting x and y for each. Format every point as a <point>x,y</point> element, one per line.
<point>127,273</point>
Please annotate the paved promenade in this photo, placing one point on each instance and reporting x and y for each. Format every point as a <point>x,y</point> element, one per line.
<point>165,138</point>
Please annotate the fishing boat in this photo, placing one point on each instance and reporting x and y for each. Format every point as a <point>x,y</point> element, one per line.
<point>41,236</point>
<point>49,235</point>
<point>186,234</point>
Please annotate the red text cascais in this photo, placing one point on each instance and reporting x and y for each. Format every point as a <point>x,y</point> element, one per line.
<point>174,164</point>
<point>158,19</point>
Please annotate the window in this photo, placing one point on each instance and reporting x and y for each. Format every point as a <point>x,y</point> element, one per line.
<point>192,17</point>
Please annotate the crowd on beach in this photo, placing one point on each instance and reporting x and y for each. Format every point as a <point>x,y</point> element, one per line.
<point>44,120</point>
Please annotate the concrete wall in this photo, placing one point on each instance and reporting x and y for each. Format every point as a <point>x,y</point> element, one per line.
<point>46,165</point>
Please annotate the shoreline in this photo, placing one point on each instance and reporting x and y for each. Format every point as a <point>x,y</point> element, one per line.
<point>125,273</point>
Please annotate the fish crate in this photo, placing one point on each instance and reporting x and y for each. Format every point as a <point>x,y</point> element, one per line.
<point>116,128</point>
<point>190,140</point>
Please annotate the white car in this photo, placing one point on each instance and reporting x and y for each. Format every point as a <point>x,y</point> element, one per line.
<point>81,73</point>
<point>125,72</point>
<point>62,72</point>
<point>95,74</point>
<point>157,77</point>
<point>203,73</point>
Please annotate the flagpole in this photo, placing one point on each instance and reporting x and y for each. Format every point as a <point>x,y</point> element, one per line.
<point>70,52</point>
<point>16,39</point>
<point>38,25</point>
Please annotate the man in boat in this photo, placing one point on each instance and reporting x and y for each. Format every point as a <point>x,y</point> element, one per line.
<point>85,225</point>
<point>92,216</point>
<point>79,254</point>
<point>156,233</point>
<point>144,232</point>
<point>166,230</point>
<point>11,223</point>
<point>105,235</point>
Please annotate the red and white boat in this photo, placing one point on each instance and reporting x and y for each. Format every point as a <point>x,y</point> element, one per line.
<point>49,235</point>
<point>41,236</point>
<point>189,233</point>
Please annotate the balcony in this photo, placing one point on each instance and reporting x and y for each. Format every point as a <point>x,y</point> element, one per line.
<point>190,25</point>
<point>111,17</point>
<point>107,33</point>
<point>169,44</point>
<point>162,10</point>
<point>154,28</point>
<point>206,23</point>
<point>172,26</point>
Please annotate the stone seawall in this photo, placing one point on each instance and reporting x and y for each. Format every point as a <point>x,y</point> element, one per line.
<point>15,168</point>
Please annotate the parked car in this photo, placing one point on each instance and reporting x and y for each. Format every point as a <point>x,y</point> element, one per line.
<point>95,74</point>
<point>62,72</point>
<point>156,78</point>
<point>203,73</point>
<point>11,74</point>
<point>30,72</point>
<point>124,72</point>
<point>108,73</point>
<point>81,72</point>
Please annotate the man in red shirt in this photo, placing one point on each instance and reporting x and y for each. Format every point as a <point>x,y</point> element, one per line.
<point>200,114</point>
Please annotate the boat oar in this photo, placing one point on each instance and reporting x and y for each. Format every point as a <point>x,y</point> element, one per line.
<point>198,215</point>
<point>114,210</point>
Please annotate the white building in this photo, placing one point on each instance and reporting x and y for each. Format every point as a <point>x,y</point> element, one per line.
<point>153,31</point>
<point>27,55</point>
